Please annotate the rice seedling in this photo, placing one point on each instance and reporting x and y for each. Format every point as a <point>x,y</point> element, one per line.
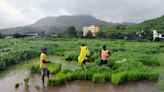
<point>102,77</point>
<point>71,55</point>
<point>60,78</point>
<point>119,77</point>
<point>54,68</point>
<point>26,81</point>
<point>34,68</point>
<point>148,60</point>
<point>98,78</point>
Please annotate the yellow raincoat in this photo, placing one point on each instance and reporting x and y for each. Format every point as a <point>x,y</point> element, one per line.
<point>83,54</point>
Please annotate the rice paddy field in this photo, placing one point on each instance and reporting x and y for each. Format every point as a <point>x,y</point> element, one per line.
<point>130,62</point>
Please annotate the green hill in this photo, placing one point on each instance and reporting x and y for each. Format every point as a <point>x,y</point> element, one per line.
<point>56,24</point>
<point>50,25</point>
<point>149,25</point>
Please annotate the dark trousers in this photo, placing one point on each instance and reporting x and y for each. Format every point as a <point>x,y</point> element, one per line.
<point>84,62</point>
<point>102,62</point>
<point>45,72</point>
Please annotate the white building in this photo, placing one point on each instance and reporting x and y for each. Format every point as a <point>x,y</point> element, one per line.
<point>94,29</point>
<point>32,35</point>
<point>157,35</point>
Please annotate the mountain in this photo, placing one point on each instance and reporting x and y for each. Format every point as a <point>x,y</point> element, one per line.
<point>56,24</point>
<point>157,23</point>
<point>149,25</point>
<point>50,25</point>
<point>79,20</point>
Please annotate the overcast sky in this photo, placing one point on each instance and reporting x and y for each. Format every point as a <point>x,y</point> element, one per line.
<point>22,12</point>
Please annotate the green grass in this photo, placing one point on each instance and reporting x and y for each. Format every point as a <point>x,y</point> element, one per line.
<point>101,77</point>
<point>119,77</point>
<point>34,68</point>
<point>52,67</point>
<point>130,60</point>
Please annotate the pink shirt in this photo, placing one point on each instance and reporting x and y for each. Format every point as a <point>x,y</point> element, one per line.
<point>104,54</point>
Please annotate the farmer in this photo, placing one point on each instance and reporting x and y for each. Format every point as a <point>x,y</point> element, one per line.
<point>104,55</point>
<point>43,64</point>
<point>84,54</point>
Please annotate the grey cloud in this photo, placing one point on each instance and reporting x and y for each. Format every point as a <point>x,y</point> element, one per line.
<point>108,10</point>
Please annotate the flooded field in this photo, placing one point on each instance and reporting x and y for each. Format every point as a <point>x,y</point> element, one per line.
<point>7,85</point>
<point>17,74</point>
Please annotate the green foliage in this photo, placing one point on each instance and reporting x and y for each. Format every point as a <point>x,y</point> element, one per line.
<point>84,74</point>
<point>71,55</point>
<point>61,78</point>
<point>130,61</point>
<point>57,81</point>
<point>119,77</point>
<point>89,35</point>
<point>133,75</point>
<point>98,78</point>
<point>54,68</point>
<point>148,60</point>
<point>34,68</point>
<point>70,32</point>
<point>1,36</point>
<point>14,51</point>
<point>101,77</point>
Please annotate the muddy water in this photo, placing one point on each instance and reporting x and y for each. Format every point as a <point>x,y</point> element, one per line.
<point>16,75</point>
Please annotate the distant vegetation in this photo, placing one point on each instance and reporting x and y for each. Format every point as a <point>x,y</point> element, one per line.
<point>71,26</point>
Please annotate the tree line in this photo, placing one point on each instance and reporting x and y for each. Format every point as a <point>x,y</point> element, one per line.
<point>114,32</point>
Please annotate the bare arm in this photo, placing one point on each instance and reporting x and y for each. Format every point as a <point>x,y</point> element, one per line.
<point>46,61</point>
<point>109,53</point>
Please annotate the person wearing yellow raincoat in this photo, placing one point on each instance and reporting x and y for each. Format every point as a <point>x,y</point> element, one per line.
<point>84,54</point>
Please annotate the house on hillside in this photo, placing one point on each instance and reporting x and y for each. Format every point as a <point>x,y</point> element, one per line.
<point>157,36</point>
<point>32,35</point>
<point>94,29</point>
<point>54,35</point>
<point>9,37</point>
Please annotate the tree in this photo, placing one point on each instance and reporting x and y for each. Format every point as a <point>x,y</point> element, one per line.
<point>121,27</point>
<point>17,35</point>
<point>101,34</point>
<point>80,34</point>
<point>70,32</point>
<point>1,36</point>
<point>42,33</point>
<point>115,35</point>
<point>50,30</point>
<point>89,35</point>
